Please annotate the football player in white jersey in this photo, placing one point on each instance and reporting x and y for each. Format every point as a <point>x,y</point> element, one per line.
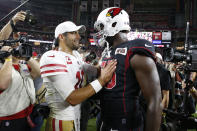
<point>62,73</point>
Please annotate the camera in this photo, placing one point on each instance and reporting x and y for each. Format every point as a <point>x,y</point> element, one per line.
<point>30,18</point>
<point>178,121</point>
<point>41,110</point>
<point>190,57</point>
<point>188,54</point>
<point>23,51</point>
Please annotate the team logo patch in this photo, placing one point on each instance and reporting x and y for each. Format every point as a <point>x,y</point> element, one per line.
<point>121,51</point>
<point>68,60</point>
<point>113,12</point>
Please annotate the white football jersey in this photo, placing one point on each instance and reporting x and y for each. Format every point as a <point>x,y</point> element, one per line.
<point>58,62</point>
<point>55,63</point>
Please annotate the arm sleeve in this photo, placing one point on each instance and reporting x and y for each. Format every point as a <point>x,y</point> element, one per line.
<point>61,83</point>
<point>50,65</point>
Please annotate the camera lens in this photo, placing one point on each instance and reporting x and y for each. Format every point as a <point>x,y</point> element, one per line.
<point>30,18</point>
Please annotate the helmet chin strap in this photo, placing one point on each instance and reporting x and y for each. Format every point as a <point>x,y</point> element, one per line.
<point>108,52</point>
<point>107,46</point>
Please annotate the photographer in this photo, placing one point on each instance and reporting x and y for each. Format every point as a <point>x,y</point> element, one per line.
<point>17,92</point>
<point>10,26</point>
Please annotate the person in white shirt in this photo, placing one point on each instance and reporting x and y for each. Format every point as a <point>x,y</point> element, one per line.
<point>17,92</point>
<point>62,72</point>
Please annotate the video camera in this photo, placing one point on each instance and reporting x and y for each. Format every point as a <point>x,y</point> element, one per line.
<point>22,51</point>
<point>178,121</point>
<point>188,54</point>
<point>190,57</point>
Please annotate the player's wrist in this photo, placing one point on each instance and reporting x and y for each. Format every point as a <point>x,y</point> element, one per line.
<point>96,85</point>
<point>102,82</point>
<point>98,71</point>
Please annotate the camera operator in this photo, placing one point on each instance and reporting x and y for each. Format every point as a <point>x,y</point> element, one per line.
<point>17,92</point>
<point>10,26</point>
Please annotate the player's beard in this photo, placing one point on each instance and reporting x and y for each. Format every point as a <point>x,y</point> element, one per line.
<point>110,40</point>
<point>74,44</point>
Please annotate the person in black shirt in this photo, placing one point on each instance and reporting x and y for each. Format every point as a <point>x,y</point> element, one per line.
<point>165,80</point>
<point>136,71</point>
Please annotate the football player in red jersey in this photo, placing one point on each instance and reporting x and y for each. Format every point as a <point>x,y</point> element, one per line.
<point>135,72</point>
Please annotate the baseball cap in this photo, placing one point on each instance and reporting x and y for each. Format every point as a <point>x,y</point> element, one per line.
<point>68,26</point>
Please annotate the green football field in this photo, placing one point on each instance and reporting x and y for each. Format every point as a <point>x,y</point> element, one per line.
<point>92,125</point>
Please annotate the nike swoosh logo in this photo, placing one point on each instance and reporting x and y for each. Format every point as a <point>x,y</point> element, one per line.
<point>147,45</point>
<point>52,56</point>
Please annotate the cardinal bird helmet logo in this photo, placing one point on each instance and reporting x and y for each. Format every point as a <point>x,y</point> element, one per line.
<point>113,12</point>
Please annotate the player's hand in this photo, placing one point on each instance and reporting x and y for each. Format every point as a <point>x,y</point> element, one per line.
<point>20,16</point>
<point>107,72</point>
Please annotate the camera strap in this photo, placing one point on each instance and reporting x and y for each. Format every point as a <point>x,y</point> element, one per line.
<point>28,84</point>
<point>29,120</point>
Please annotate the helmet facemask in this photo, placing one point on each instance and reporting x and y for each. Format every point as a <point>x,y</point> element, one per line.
<point>100,38</point>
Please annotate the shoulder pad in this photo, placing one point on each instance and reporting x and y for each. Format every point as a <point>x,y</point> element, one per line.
<point>142,47</point>
<point>52,63</point>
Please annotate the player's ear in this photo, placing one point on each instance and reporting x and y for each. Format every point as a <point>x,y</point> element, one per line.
<point>61,36</point>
